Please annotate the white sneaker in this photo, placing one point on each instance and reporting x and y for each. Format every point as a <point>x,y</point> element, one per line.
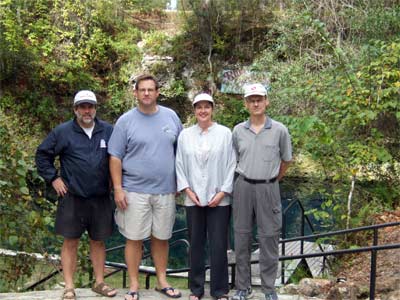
<point>243,294</point>
<point>271,296</point>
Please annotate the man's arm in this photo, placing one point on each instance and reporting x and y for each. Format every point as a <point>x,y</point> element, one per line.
<point>285,145</point>
<point>282,169</point>
<point>45,156</point>
<point>116,177</point>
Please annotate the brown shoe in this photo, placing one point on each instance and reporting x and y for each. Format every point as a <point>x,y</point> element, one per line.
<point>68,294</point>
<point>104,290</point>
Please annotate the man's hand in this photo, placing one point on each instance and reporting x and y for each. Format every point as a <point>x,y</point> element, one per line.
<point>216,200</point>
<point>60,187</point>
<point>120,199</point>
<point>192,196</point>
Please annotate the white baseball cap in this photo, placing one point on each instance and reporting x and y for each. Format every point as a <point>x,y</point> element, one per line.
<point>85,96</point>
<point>203,97</point>
<point>254,89</point>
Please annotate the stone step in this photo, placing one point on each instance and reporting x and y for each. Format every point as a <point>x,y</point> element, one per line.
<point>87,294</point>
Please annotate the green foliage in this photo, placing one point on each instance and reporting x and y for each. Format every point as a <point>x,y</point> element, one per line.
<point>23,210</point>
<point>226,28</point>
<point>230,111</point>
<point>295,35</point>
<point>55,48</point>
<point>374,22</point>
<point>340,102</point>
<point>148,5</point>
<point>334,73</point>
<point>48,51</point>
<point>356,128</point>
<point>174,89</point>
<point>156,43</point>
<point>119,102</point>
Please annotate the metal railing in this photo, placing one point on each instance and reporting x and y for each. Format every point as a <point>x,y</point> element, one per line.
<point>283,257</point>
<point>304,220</point>
<point>373,249</point>
<point>146,254</point>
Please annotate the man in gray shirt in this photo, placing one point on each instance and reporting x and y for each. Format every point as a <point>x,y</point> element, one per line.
<point>142,166</point>
<point>264,152</point>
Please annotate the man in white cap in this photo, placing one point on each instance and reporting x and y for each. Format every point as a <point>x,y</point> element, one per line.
<point>82,187</point>
<point>264,151</point>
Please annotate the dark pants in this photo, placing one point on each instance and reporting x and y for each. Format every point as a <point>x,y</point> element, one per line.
<point>214,223</point>
<point>75,215</point>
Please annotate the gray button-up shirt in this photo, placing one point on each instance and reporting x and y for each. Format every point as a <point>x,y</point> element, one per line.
<point>205,162</point>
<point>259,155</point>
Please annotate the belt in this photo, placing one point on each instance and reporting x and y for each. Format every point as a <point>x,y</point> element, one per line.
<point>255,181</point>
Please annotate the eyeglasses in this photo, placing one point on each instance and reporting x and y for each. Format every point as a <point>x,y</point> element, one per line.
<point>143,91</point>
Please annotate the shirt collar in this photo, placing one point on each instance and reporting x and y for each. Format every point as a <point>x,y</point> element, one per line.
<point>267,125</point>
<point>200,130</point>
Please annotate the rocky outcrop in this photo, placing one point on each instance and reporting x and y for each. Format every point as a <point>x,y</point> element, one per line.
<point>314,287</point>
<point>342,289</point>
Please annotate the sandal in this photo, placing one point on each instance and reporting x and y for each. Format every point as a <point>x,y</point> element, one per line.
<point>68,297</point>
<point>104,290</point>
<point>132,295</point>
<point>165,291</point>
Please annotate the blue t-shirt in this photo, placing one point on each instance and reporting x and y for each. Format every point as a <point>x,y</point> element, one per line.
<point>146,146</point>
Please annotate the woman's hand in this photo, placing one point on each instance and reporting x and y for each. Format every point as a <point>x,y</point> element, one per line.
<point>192,196</point>
<point>216,200</point>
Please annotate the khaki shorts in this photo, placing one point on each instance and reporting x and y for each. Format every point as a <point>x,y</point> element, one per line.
<point>146,215</point>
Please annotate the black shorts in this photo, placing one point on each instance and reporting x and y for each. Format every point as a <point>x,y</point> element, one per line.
<point>76,214</point>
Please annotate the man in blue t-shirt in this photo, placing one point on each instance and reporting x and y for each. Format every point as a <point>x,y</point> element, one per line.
<point>142,166</point>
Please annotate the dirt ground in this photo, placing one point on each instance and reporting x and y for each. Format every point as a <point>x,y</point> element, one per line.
<point>357,268</point>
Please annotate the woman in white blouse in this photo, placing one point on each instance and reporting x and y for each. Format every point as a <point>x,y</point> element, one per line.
<point>205,165</point>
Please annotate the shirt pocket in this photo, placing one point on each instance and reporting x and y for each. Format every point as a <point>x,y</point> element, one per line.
<point>270,152</point>
<point>276,220</point>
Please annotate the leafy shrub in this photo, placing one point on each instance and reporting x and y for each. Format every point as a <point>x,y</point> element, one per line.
<point>156,43</point>
<point>23,211</point>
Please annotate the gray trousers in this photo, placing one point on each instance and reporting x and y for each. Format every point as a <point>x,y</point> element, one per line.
<point>258,203</point>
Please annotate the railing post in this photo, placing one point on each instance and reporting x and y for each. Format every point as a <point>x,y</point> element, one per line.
<point>302,231</point>
<point>90,274</point>
<point>124,278</point>
<point>233,275</point>
<point>283,248</point>
<point>188,264</point>
<point>372,280</point>
<point>147,281</point>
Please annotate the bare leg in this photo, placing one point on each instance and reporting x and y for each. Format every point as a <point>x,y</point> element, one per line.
<point>69,252</point>
<point>98,257</point>
<point>133,256</point>
<point>159,252</point>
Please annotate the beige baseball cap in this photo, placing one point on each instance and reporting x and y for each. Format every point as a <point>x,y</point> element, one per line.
<point>85,96</point>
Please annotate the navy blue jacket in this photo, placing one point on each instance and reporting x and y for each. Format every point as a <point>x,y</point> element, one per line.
<point>84,161</point>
